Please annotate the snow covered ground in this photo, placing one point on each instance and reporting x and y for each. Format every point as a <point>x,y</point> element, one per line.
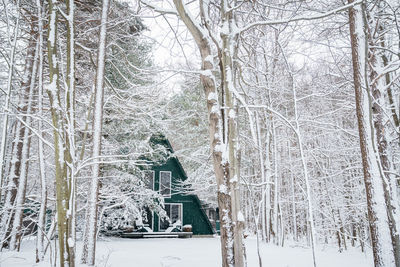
<point>194,252</point>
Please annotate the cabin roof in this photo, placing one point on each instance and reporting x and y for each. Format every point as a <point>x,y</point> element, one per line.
<point>163,140</point>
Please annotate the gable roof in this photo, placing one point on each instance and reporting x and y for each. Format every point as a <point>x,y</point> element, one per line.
<point>162,140</point>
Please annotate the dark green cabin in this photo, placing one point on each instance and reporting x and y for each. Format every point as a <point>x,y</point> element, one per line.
<point>182,207</point>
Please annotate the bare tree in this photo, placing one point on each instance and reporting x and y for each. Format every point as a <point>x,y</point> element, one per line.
<point>43,186</point>
<point>223,124</point>
<point>374,177</point>
<point>63,190</point>
<point>9,89</point>
<point>89,247</point>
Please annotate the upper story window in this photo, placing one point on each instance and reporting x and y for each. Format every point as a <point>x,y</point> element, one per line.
<point>149,179</point>
<point>165,183</point>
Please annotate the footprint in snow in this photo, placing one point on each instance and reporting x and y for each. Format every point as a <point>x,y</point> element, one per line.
<point>169,261</point>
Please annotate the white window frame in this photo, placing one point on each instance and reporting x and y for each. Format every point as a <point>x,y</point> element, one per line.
<point>170,184</point>
<point>181,215</point>
<point>154,178</point>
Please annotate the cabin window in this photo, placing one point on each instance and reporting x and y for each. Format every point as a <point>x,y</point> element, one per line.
<point>165,184</point>
<point>149,179</point>
<point>174,212</point>
<point>211,214</point>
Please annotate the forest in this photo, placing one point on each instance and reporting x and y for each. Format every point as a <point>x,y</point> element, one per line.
<point>285,116</point>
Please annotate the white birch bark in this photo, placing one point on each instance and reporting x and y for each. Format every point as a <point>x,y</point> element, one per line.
<point>229,37</point>
<point>268,160</point>
<point>263,179</point>
<point>276,186</point>
<point>292,191</point>
<point>70,154</point>
<point>42,166</point>
<point>89,247</point>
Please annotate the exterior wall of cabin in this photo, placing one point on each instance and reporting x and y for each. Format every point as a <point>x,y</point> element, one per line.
<point>192,210</point>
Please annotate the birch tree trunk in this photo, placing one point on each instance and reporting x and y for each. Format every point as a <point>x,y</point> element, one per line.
<point>70,153</point>
<point>42,167</point>
<point>264,180</point>
<point>268,188</point>
<point>66,254</point>
<point>378,215</point>
<point>222,127</point>
<point>232,178</point>
<point>293,195</point>
<point>89,246</point>
<point>276,186</point>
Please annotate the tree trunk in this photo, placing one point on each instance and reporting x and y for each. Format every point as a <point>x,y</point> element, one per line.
<point>20,148</point>
<point>222,130</point>
<point>293,192</point>
<point>7,101</point>
<point>231,178</point>
<point>378,88</point>
<point>263,180</point>
<point>276,186</point>
<point>42,167</point>
<point>89,246</point>
<point>373,172</point>
<point>16,233</point>
<point>62,190</point>
<point>70,144</point>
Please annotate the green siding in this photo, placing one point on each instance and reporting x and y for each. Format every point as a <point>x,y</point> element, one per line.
<point>192,211</point>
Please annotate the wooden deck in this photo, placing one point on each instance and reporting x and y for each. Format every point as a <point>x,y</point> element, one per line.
<point>157,235</point>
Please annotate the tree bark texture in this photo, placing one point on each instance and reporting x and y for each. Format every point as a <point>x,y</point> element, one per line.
<point>222,130</point>
<point>378,214</point>
<point>66,254</point>
<point>89,246</point>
